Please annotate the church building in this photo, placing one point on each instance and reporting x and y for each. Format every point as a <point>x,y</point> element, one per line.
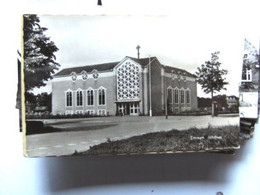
<point>132,86</point>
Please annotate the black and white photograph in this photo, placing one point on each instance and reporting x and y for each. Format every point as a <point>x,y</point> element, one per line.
<point>114,85</point>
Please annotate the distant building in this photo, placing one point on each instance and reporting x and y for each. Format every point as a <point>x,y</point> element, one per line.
<point>131,86</point>
<point>250,68</point>
<point>249,87</point>
<point>232,101</point>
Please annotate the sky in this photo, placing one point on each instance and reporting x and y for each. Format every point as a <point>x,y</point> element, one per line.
<point>185,41</point>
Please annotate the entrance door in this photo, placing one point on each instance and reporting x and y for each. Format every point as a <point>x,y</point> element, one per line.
<point>128,108</point>
<point>134,108</point>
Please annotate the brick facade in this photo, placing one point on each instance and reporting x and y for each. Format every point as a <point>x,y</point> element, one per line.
<point>135,100</point>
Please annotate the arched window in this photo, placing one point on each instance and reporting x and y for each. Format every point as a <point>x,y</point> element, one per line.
<point>90,97</point>
<point>169,95</point>
<point>101,97</point>
<point>79,98</point>
<point>176,96</point>
<point>187,95</point>
<point>182,96</point>
<point>128,81</point>
<point>69,98</point>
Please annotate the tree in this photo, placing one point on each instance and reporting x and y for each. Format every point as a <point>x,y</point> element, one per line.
<point>39,58</point>
<point>211,77</point>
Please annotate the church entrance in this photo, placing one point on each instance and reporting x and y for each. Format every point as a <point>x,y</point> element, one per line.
<point>128,108</point>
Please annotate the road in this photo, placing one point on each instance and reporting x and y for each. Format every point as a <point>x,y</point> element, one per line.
<point>79,134</point>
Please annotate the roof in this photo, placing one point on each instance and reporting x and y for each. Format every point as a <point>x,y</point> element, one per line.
<point>170,69</point>
<point>142,61</point>
<point>110,66</point>
<point>88,68</point>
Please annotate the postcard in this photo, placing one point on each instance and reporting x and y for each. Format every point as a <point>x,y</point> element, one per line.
<point>112,85</point>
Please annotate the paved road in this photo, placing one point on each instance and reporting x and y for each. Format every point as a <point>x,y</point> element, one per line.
<point>79,134</point>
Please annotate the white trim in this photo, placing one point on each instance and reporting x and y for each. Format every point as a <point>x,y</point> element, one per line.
<point>90,111</point>
<point>84,72</point>
<point>90,88</point>
<point>73,74</point>
<point>69,112</point>
<point>248,72</point>
<point>68,78</point>
<point>105,91</point>
<point>145,70</point>
<point>79,112</point>
<point>92,72</point>
<point>176,88</point>
<point>100,110</point>
<point>125,60</point>
<point>65,93</point>
<point>169,75</point>
<point>76,99</point>
<point>182,89</point>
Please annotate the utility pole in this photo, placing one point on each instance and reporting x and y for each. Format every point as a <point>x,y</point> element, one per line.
<point>166,98</point>
<point>150,88</point>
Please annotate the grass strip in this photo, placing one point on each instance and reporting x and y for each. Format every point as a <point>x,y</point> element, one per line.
<point>193,139</point>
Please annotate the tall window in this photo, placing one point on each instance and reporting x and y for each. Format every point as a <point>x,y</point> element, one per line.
<point>128,81</point>
<point>187,96</point>
<point>101,97</point>
<point>169,93</point>
<point>90,99</point>
<point>68,98</point>
<point>79,98</point>
<point>182,96</point>
<point>176,96</point>
<point>246,74</point>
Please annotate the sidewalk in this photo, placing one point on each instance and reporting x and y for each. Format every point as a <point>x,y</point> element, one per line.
<point>65,143</point>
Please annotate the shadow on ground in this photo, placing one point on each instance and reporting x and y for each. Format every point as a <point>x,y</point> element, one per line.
<point>50,129</point>
<point>68,173</point>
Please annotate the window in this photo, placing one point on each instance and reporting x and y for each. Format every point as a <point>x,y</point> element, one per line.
<point>95,74</point>
<point>90,97</point>
<point>79,98</point>
<point>187,96</point>
<point>90,112</point>
<point>128,81</point>
<point>182,96</point>
<point>84,75</point>
<point>169,94</point>
<point>101,97</point>
<point>68,98</point>
<point>176,96</point>
<point>79,111</point>
<point>73,76</point>
<point>134,108</point>
<point>102,112</point>
<point>246,74</point>
<point>68,112</point>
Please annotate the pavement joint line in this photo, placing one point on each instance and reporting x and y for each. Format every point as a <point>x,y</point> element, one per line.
<point>57,146</point>
<point>43,148</point>
<point>71,144</point>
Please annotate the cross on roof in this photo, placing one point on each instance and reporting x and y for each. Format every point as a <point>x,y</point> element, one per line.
<point>138,53</point>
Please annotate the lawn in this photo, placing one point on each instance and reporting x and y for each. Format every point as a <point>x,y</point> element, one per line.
<point>207,139</point>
